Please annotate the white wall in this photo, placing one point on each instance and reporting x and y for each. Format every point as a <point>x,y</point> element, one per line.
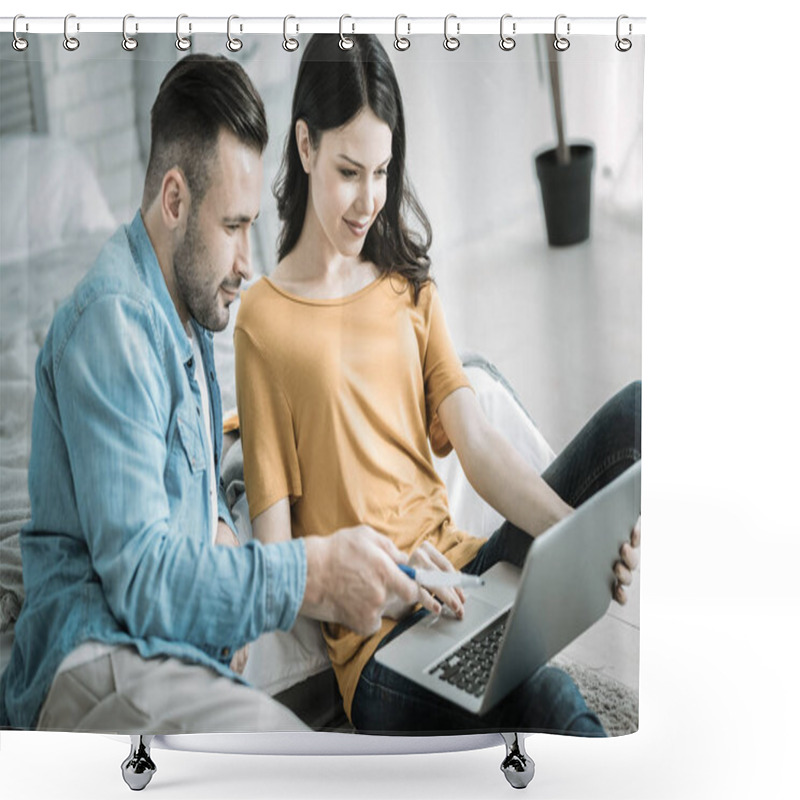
<point>92,104</point>
<point>475,118</point>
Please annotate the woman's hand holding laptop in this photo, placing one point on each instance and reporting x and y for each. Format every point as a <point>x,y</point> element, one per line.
<point>623,569</point>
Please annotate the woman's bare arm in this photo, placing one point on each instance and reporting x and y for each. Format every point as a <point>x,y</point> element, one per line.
<point>509,484</point>
<point>274,524</point>
<point>497,472</point>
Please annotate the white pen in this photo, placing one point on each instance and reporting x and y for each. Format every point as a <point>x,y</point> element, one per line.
<point>434,578</point>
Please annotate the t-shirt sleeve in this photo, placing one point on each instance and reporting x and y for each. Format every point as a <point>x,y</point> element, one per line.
<point>442,372</point>
<point>271,466</point>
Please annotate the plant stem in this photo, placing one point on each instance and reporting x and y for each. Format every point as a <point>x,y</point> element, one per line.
<point>562,151</point>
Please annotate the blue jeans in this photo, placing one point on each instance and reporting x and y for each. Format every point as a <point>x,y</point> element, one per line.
<point>549,700</point>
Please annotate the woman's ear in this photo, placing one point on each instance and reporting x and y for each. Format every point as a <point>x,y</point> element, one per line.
<point>303,140</point>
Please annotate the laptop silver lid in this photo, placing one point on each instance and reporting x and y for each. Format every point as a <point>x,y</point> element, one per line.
<point>567,582</point>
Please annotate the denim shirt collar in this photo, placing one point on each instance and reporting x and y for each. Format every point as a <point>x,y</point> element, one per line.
<point>150,270</point>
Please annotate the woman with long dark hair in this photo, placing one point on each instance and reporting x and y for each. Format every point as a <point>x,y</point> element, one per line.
<point>347,379</point>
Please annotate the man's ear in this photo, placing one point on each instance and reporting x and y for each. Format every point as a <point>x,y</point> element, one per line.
<point>303,140</point>
<point>175,199</point>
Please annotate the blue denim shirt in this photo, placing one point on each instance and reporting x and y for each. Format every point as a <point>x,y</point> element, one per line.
<point>118,547</point>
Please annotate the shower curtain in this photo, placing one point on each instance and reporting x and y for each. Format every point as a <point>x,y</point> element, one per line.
<point>527,158</point>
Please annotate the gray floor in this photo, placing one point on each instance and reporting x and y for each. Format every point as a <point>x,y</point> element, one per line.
<point>564,326</point>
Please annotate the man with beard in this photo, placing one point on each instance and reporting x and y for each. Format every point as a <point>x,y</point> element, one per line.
<point>132,615</point>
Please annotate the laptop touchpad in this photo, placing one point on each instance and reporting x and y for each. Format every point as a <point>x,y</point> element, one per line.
<point>476,614</point>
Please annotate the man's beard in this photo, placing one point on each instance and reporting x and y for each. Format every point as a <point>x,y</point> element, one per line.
<point>191,263</point>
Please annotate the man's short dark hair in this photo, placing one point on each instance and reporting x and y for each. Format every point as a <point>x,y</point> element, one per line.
<point>198,97</point>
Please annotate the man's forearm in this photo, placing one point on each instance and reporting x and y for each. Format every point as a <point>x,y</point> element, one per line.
<point>217,598</point>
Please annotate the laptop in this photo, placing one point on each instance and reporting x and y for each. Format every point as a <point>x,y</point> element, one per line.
<point>520,618</point>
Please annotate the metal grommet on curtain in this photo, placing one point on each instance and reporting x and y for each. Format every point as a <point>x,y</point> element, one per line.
<point>507,42</point>
<point>128,42</point>
<point>401,42</point>
<point>289,44</point>
<point>233,44</point>
<point>19,44</point>
<point>451,43</point>
<point>345,43</point>
<point>561,43</point>
<point>181,42</point>
<point>70,42</point>
<point>623,45</point>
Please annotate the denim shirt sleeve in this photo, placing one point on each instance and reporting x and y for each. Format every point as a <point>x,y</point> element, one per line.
<point>159,581</point>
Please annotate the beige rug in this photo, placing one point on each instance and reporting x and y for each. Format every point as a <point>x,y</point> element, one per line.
<point>615,704</point>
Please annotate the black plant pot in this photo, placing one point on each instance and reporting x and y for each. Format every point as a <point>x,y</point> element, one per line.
<point>566,193</point>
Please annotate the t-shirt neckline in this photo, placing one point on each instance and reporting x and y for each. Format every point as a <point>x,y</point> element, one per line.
<point>325,301</point>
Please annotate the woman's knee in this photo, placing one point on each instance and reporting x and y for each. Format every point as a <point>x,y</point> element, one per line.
<point>562,704</point>
<point>556,689</point>
<point>623,419</point>
<point>632,396</point>
<point>628,401</point>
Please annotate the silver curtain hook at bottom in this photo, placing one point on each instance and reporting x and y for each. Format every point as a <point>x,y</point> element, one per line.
<point>70,42</point>
<point>289,44</point>
<point>19,44</point>
<point>561,43</point>
<point>181,42</point>
<point>128,42</point>
<point>507,42</point>
<point>233,44</point>
<point>451,43</point>
<point>623,45</point>
<point>401,42</point>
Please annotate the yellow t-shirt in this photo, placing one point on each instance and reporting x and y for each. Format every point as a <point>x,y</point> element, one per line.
<point>337,401</point>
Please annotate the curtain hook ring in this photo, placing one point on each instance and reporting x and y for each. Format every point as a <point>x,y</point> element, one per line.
<point>623,45</point>
<point>233,44</point>
<point>70,42</point>
<point>507,42</point>
<point>19,44</point>
<point>289,44</point>
<point>128,42</point>
<point>561,43</point>
<point>345,42</point>
<point>181,42</point>
<point>401,42</point>
<point>451,43</point>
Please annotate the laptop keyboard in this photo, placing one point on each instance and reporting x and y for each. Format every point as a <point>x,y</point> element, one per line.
<point>468,667</point>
